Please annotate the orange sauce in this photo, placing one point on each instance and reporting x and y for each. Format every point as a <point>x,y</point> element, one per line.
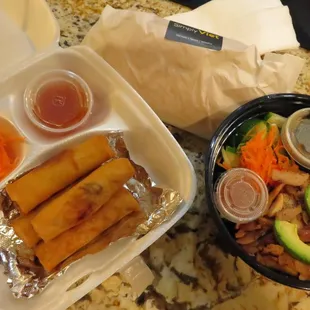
<point>60,104</point>
<point>11,148</point>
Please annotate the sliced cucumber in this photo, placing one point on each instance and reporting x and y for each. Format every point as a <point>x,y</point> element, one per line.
<point>231,149</point>
<point>234,139</point>
<point>273,118</point>
<point>230,157</point>
<point>261,126</point>
<point>248,125</point>
<point>277,135</point>
<point>238,135</point>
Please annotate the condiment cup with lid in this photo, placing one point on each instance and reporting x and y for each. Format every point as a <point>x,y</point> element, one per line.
<point>295,136</point>
<point>58,101</point>
<point>241,195</point>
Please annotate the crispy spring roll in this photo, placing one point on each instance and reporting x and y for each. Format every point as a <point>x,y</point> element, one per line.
<point>24,230</point>
<point>83,199</point>
<point>57,250</point>
<point>124,228</point>
<point>58,172</point>
<point>23,227</point>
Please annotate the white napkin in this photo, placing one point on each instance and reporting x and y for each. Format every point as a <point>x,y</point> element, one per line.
<point>264,23</point>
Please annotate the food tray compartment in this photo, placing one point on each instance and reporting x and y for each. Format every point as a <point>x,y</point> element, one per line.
<point>72,61</point>
<point>111,111</point>
<point>149,143</point>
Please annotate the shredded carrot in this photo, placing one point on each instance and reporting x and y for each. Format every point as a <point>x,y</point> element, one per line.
<point>263,153</point>
<point>8,161</point>
<point>257,154</point>
<point>223,165</point>
<point>261,156</point>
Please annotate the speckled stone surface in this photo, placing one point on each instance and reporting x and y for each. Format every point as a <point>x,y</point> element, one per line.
<point>191,271</point>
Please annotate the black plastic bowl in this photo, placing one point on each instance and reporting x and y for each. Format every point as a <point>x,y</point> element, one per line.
<point>283,104</point>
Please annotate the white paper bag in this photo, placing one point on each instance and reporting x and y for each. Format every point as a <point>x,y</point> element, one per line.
<point>188,86</point>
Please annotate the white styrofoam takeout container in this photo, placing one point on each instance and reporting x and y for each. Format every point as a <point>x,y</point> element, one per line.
<point>116,106</point>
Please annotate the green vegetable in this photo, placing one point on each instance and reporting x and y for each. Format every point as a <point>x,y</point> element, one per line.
<point>252,131</point>
<point>277,134</point>
<point>234,139</point>
<point>287,235</point>
<point>307,199</point>
<point>231,149</point>
<point>273,118</point>
<point>248,125</point>
<point>230,157</point>
<point>241,134</point>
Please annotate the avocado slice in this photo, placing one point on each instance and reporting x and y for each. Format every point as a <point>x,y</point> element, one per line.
<point>287,235</point>
<point>307,199</point>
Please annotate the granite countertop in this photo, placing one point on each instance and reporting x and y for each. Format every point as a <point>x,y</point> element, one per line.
<point>190,269</point>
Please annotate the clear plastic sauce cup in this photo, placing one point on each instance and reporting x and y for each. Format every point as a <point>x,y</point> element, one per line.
<point>241,195</point>
<point>295,135</point>
<point>58,101</point>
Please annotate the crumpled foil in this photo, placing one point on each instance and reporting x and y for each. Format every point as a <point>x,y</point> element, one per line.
<point>26,276</point>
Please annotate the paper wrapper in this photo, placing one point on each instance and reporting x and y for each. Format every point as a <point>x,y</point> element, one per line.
<point>248,21</point>
<point>26,276</point>
<point>191,87</point>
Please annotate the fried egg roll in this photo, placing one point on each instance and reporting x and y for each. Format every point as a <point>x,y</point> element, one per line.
<point>24,230</point>
<point>124,228</point>
<point>83,199</point>
<point>58,172</point>
<point>23,227</point>
<point>55,251</point>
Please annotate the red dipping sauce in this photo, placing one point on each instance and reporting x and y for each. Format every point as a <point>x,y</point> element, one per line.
<point>58,101</point>
<point>60,104</point>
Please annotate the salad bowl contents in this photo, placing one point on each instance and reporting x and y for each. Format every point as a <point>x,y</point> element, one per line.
<point>278,235</point>
<point>264,207</point>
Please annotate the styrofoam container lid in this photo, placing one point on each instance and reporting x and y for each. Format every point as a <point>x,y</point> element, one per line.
<point>27,28</point>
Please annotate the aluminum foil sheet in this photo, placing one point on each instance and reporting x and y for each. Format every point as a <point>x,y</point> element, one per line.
<point>26,276</point>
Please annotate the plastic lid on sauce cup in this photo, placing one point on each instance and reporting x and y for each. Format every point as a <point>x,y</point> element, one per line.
<point>295,135</point>
<point>242,195</point>
<point>58,101</point>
